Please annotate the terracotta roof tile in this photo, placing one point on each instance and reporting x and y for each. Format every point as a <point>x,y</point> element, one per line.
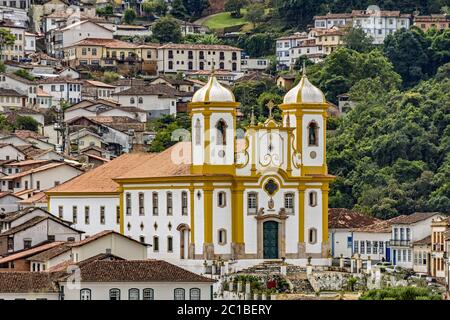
<point>426,240</point>
<point>413,218</point>
<point>25,282</point>
<point>30,252</point>
<point>50,253</point>
<point>138,271</point>
<point>341,218</point>
<point>100,179</point>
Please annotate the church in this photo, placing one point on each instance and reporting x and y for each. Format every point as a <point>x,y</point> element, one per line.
<point>222,193</point>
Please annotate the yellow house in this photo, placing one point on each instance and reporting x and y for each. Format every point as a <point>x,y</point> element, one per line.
<point>111,53</point>
<point>328,40</point>
<point>437,21</point>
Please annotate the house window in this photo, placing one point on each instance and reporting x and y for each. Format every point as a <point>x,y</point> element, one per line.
<point>85,294</point>
<point>375,247</point>
<point>194,294</point>
<point>148,294</point>
<point>133,294</point>
<point>86,214</point>
<point>312,236</point>
<point>131,100</point>
<point>184,203</point>
<point>369,247</point>
<point>381,247</point>
<point>38,185</point>
<point>252,202</point>
<point>363,247</point>
<point>26,243</point>
<point>395,233</point>
<point>155,203</point>
<point>221,138</point>
<point>60,212</point>
<point>169,244</point>
<point>198,132</point>
<point>169,204</point>
<point>74,214</point>
<point>222,199</point>
<point>114,294</point>
<point>355,246</point>
<point>178,294</point>
<point>312,198</point>
<point>402,234</point>
<point>313,133</point>
<point>117,214</point>
<point>170,65</point>
<point>140,100</point>
<point>141,203</point>
<point>128,203</point>
<point>10,244</point>
<point>408,234</point>
<point>102,215</point>
<point>201,65</point>
<point>155,244</point>
<point>222,236</point>
<point>289,202</point>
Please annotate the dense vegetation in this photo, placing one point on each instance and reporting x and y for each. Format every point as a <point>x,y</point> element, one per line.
<point>401,293</point>
<point>391,153</point>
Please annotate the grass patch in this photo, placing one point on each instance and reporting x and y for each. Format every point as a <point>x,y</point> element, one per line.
<point>224,20</point>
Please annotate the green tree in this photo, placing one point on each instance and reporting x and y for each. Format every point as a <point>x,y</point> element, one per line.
<point>106,11</point>
<point>6,38</point>
<point>158,7</point>
<point>110,76</point>
<point>402,293</point>
<point>24,74</point>
<point>408,51</point>
<point>179,10</point>
<point>345,67</point>
<point>167,29</point>
<point>356,39</point>
<point>195,8</point>
<point>129,16</point>
<point>235,7</point>
<point>298,65</point>
<point>26,123</point>
<point>255,14</point>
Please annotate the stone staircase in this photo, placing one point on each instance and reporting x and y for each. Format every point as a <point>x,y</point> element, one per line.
<point>296,275</point>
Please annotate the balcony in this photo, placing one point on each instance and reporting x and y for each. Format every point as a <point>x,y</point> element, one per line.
<point>399,243</point>
<point>437,247</point>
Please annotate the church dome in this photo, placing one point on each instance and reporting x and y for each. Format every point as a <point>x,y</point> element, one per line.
<point>213,91</point>
<point>304,92</point>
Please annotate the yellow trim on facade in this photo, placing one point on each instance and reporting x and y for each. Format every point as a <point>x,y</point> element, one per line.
<point>121,208</point>
<point>237,218</point>
<point>325,190</point>
<point>301,213</point>
<point>208,190</point>
<point>192,208</point>
<point>314,170</point>
<point>212,169</point>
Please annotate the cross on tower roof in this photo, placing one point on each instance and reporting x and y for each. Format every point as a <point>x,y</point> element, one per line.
<point>270,105</point>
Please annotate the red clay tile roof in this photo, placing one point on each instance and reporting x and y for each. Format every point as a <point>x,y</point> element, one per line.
<point>30,252</point>
<point>38,169</point>
<point>426,240</point>
<point>138,271</point>
<point>50,253</point>
<point>100,179</point>
<point>25,282</point>
<point>413,218</point>
<point>341,218</point>
<point>34,221</point>
<point>383,226</point>
<point>99,235</point>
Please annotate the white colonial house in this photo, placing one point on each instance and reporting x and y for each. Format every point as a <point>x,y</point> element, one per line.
<point>373,21</point>
<point>62,88</point>
<point>59,38</point>
<point>406,230</point>
<point>261,196</point>
<point>188,58</point>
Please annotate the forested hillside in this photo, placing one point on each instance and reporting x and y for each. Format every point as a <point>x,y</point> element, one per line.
<point>391,153</point>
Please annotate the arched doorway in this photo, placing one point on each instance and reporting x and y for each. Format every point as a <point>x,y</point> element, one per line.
<point>184,240</point>
<point>270,239</point>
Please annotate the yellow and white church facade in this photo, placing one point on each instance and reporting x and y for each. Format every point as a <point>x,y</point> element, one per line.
<point>228,195</point>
